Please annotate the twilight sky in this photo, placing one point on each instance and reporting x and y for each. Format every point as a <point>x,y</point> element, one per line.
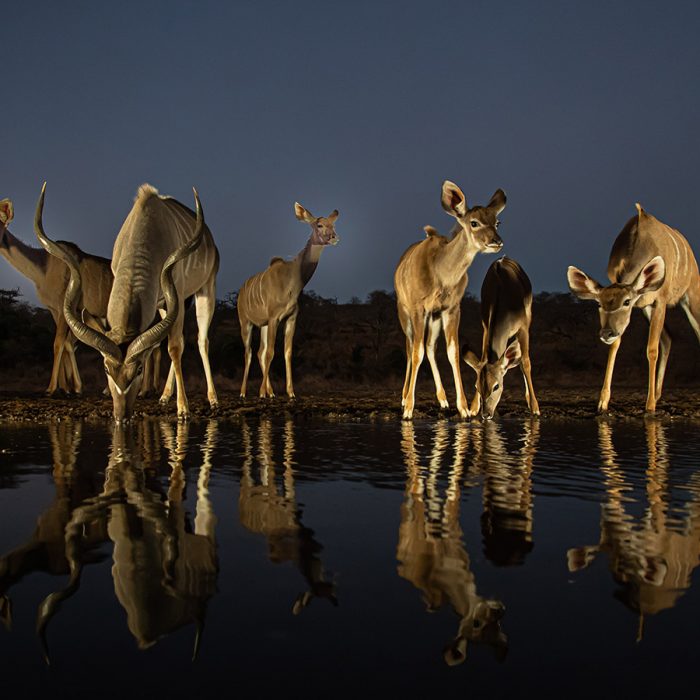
<point>575,109</point>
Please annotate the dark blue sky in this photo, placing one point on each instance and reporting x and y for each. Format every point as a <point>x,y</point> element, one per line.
<point>575,109</point>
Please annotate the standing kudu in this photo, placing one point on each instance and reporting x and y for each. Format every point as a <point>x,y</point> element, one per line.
<point>50,277</point>
<point>651,266</point>
<point>271,296</point>
<point>430,281</point>
<point>506,313</point>
<point>158,233</point>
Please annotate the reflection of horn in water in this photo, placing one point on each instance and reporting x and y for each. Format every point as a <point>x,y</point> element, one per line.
<point>270,509</point>
<point>507,520</point>
<point>430,551</point>
<point>163,573</point>
<point>651,561</point>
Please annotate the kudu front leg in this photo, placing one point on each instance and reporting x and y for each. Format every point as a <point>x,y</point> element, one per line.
<point>433,333</point>
<point>607,381</point>
<point>417,354</point>
<point>450,325</point>
<point>289,328</point>
<point>526,367</point>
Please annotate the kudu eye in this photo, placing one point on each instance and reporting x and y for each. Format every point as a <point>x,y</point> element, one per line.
<point>474,224</point>
<point>626,302</point>
<point>495,387</point>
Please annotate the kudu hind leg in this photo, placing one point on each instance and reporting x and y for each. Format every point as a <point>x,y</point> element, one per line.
<point>526,367</point>
<point>664,350</point>
<point>205,301</point>
<point>690,303</point>
<point>656,327</point>
<point>417,354</point>
<point>247,337</point>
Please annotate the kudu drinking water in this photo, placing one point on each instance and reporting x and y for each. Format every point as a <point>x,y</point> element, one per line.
<point>506,313</point>
<point>651,266</point>
<point>157,234</point>
<point>430,280</point>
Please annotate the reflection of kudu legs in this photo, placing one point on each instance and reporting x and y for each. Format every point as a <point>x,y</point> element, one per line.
<point>430,549</point>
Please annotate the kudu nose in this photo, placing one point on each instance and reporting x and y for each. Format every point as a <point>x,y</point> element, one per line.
<point>607,335</point>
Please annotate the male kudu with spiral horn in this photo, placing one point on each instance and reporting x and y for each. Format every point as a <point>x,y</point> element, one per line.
<point>158,233</point>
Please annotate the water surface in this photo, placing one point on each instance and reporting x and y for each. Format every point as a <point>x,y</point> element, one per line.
<point>336,559</point>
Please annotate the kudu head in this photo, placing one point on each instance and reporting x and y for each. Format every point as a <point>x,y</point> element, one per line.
<point>482,624</point>
<point>490,374</point>
<point>322,227</point>
<point>617,300</point>
<point>480,224</point>
<point>7,213</point>
<point>124,369</point>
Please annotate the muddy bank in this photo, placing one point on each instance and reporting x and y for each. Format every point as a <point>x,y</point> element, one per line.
<point>361,405</point>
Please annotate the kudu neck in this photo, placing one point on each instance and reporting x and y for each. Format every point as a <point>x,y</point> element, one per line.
<point>31,262</point>
<point>308,261</point>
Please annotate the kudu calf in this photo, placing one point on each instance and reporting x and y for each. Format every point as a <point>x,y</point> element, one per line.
<point>506,313</point>
<point>157,234</point>
<point>50,277</point>
<point>430,280</point>
<point>271,296</point>
<point>651,266</point>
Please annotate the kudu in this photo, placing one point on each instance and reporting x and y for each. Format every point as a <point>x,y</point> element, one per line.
<point>271,296</point>
<point>652,555</point>
<point>506,314</point>
<point>431,551</point>
<point>430,280</point>
<point>157,234</point>
<point>652,267</point>
<point>268,506</point>
<point>50,277</point>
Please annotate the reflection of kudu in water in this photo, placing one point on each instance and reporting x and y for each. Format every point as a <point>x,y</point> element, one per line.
<point>163,574</point>
<point>46,549</point>
<point>652,562</point>
<point>507,521</point>
<point>269,510</point>
<point>431,552</point>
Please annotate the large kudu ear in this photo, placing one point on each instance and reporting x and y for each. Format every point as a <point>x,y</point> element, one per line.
<point>7,211</point>
<point>82,332</point>
<point>471,359</point>
<point>333,216</point>
<point>453,200</point>
<point>511,356</point>
<point>304,214</point>
<point>498,201</point>
<point>651,277</point>
<point>583,286</point>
